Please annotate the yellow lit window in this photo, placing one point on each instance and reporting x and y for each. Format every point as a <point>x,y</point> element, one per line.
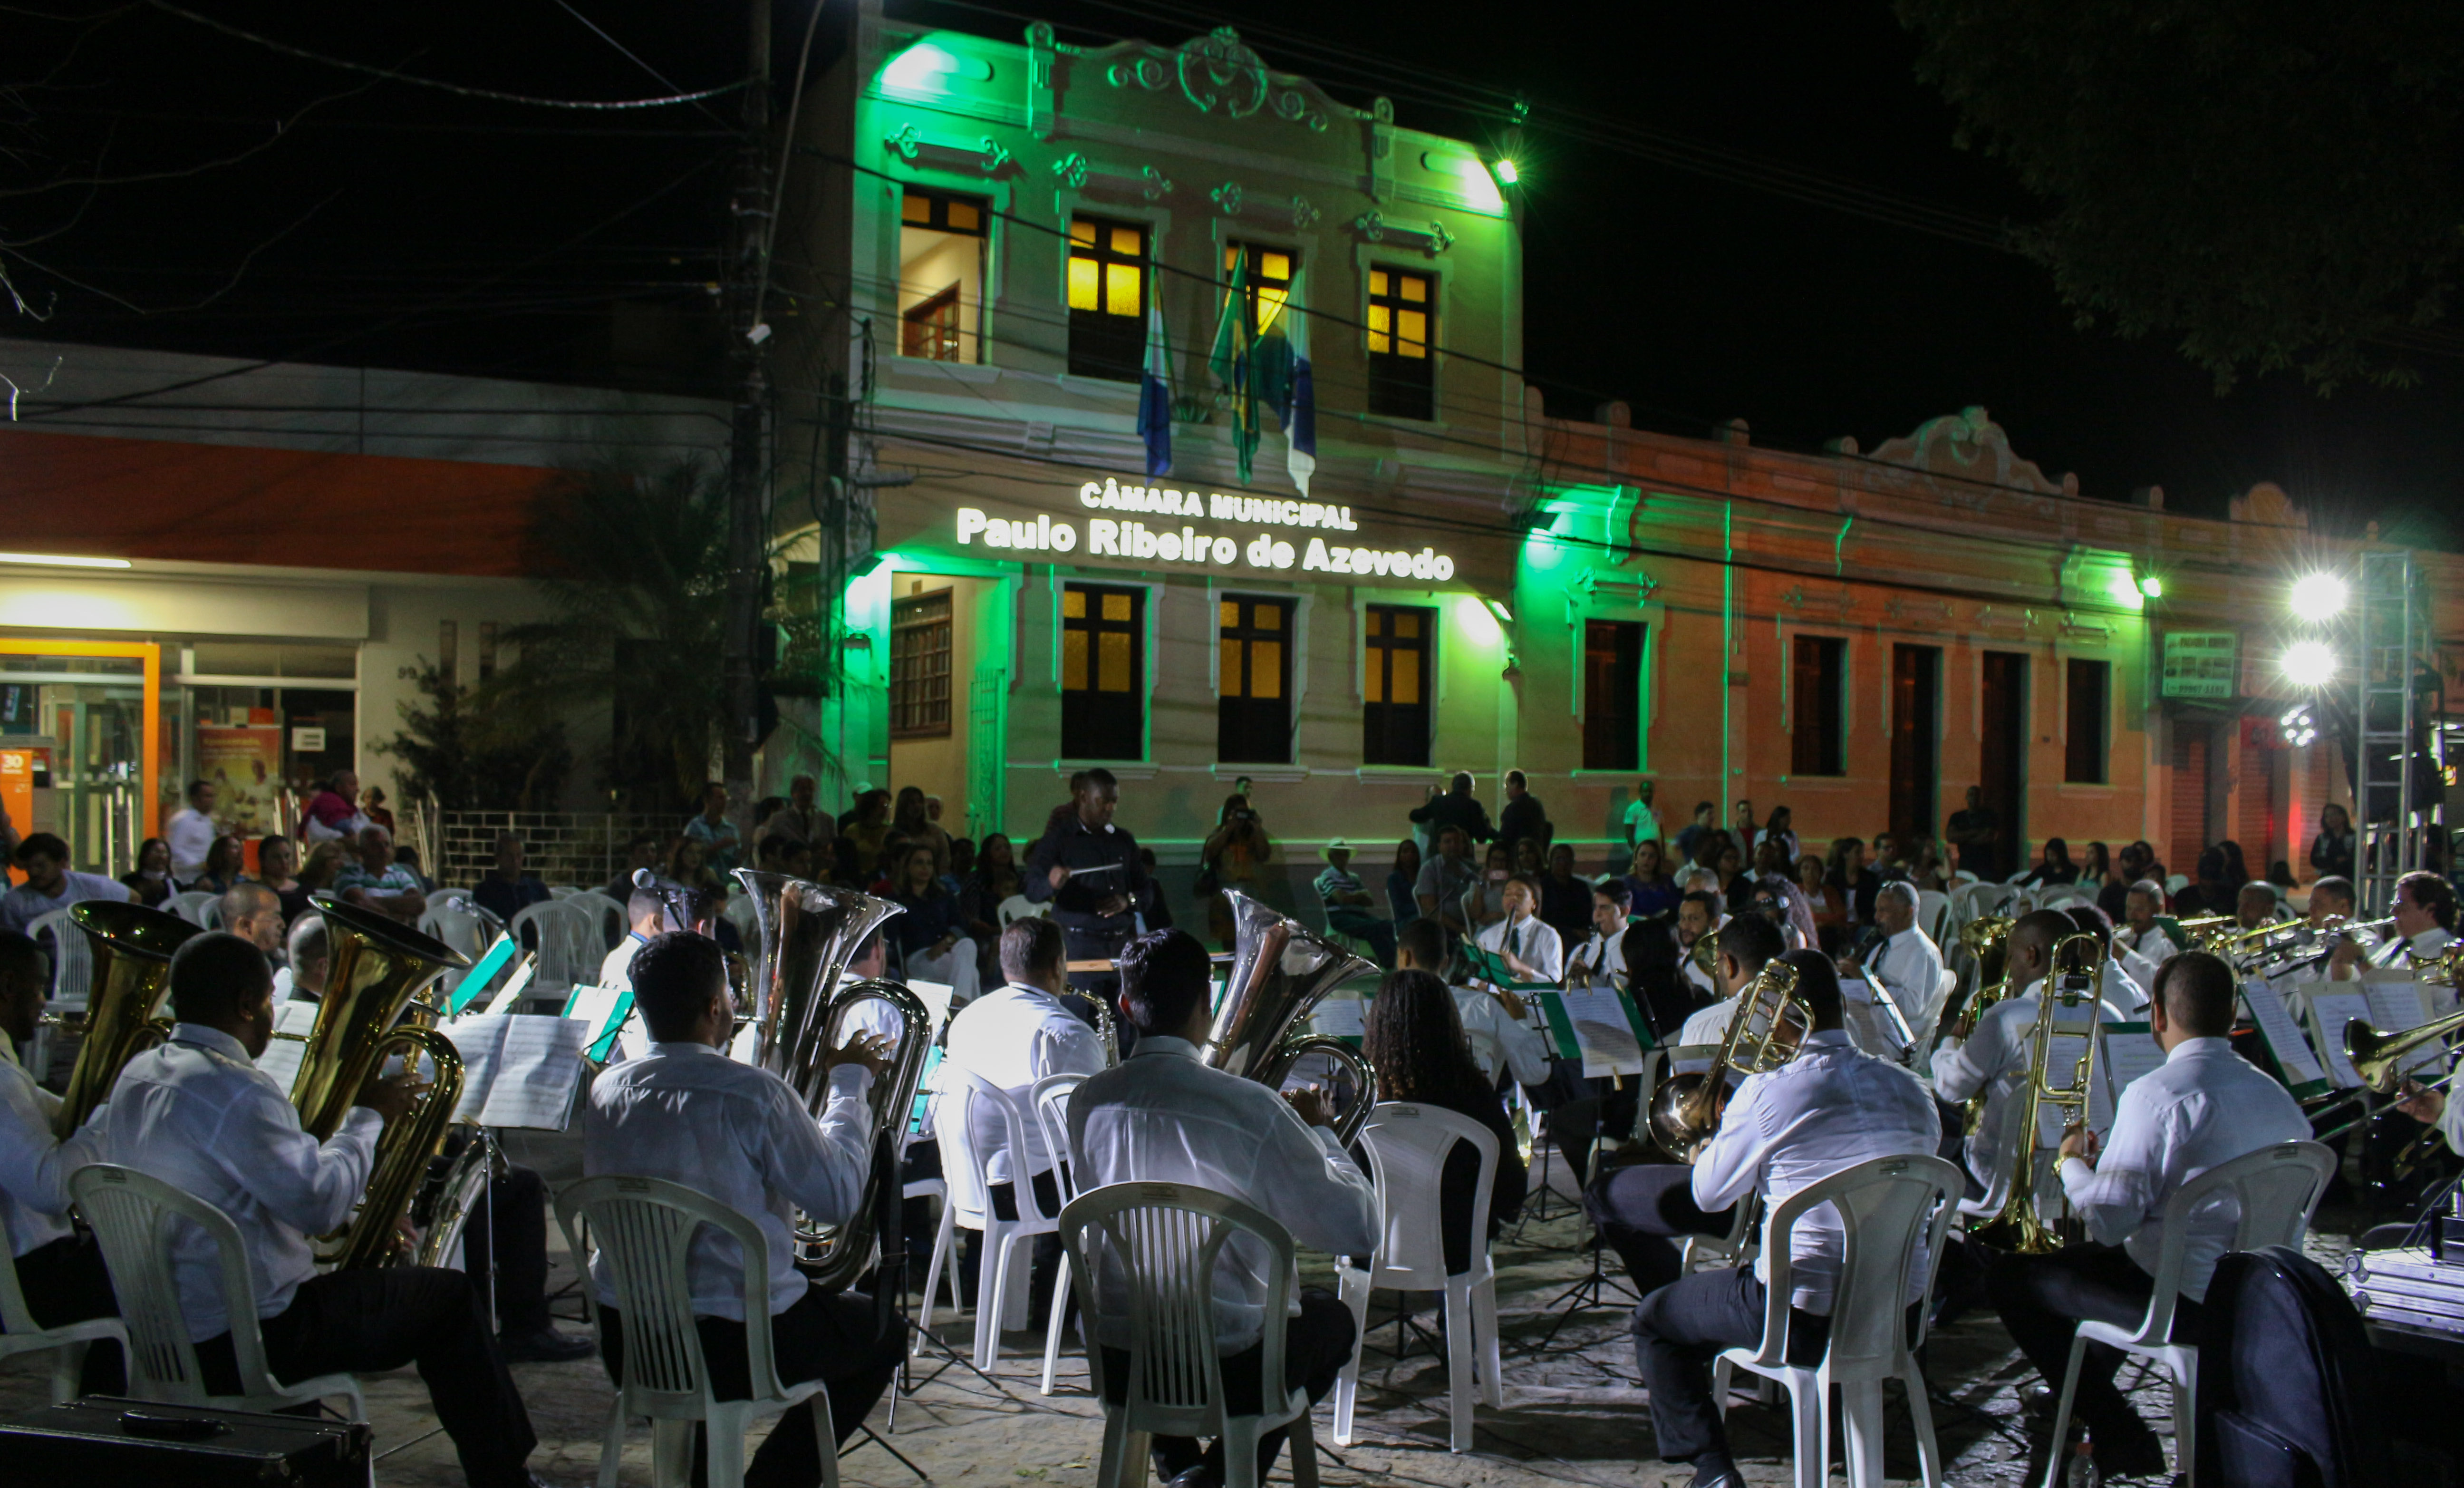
<point>1082,231</point>
<point>1402,334</point>
<point>1073,660</point>
<point>1082,283</point>
<point>913,207</point>
<point>1129,242</point>
<point>1120,288</point>
<point>1073,604</point>
<point>965,216</point>
<point>1106,288</point>
<point>1381,325</point>
<point>1269,280</point>
<point>1116,606</point>
<point>1114,676</point>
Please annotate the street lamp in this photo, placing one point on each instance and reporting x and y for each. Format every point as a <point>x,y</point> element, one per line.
<point>2298,726</point>
<point>2308,664</point>
<point>2320,596</point>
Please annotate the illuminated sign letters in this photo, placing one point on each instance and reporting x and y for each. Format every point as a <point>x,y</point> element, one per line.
<point>1182,543</point>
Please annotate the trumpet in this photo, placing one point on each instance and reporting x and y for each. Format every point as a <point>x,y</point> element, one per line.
<point>1685,1110</point>
<point>2337,930</point>
<point>2017,1227</point>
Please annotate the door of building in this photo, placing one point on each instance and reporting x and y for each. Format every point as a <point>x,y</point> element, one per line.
<point>1916,741</point>
<point>2188,821</point>
<point>2002,764</point>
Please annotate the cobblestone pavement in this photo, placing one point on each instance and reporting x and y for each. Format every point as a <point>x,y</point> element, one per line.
<point>1574,1415</point>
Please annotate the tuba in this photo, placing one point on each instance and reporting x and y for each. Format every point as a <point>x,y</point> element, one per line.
<point>371,1010</point>
<point>809,932</point>
<point>132,948</point>
<point>2018,1228</point>
<point>1280,970</point>
<point>1685,1109</point>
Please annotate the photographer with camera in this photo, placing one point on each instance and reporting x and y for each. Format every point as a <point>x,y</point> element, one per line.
<point>1237,855</point>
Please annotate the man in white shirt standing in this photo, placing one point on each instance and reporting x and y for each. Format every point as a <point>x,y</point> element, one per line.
<point>1014,1036</point>
<point>198,1113</point>
<point>1161,1115</point>
<point>1906,964</point>
<point>59,1269</point>
<point>1829,1108</point>
<point>1641,822</point>
<point>687,1113</point>
<point>2203,1107</point>
<point>1994,1058</point>
<point>191,832</point>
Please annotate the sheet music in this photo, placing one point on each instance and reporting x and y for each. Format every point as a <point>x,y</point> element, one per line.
<point>2130,1050</point>
<point>2396,1007</point>
<point>1602,1033</point>
<point>592,1005</point>
<point>1691,1058</point>
<point>519,1069</point>
<point>1856,988</point>
<point>1339,1017</point>
<point>282,1058</point>
<point>2283,1036</point>
<point>2329,1013</point>
<point>514,986</point>
<point>935,998</point>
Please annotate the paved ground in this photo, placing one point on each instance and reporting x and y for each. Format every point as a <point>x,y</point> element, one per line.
<point>1573,1413</point>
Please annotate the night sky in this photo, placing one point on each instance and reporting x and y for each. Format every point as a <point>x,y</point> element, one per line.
<point>397,225</point>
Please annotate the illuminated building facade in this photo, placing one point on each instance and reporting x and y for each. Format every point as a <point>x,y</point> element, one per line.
<point>1028,230</point>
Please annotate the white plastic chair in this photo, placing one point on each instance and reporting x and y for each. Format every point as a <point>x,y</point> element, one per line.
<point>568,944</point>
<point>1888,1207</point>
<point>1736,1248</point>
<point>2175,883</point>
<point>1018,907</point>
<point>561,891</point>
<point>191,906</point>
<point>613,923</point>
<point>2276,1189</point>
<point>1933,906</point>
<point>72,977</point>
<point>968,1205</point>
<point>1944,986</point>
<point>1163,1241</point>
<point>1408,1145</point>
<point>644,1229</point>
<point>1050,1099</point>
<point>66,1344</point>
<point>134,1217</point>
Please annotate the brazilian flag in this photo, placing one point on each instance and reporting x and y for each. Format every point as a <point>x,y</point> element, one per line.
<point>1233,363</point>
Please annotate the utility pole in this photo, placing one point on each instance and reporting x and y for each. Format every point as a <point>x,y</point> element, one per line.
<point>748,366</point>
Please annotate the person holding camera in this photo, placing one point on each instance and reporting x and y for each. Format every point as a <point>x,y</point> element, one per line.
<point>1237,855</point>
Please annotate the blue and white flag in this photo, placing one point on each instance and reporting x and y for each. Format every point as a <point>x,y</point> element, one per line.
<point>1155,393</point>
<point>1300,424</point>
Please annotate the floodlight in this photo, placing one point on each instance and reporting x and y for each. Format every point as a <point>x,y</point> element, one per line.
<point>2308,664</point>
<point>2150,585</point>
<point>1507,174</point>
<point>2299,728</point>
<point>2320,596</point>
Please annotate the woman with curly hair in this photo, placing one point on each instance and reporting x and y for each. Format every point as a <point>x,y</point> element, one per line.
<point>1415,1041</point>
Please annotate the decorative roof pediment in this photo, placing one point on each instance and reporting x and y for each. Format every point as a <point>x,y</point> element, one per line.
<point>1216,74</point>
<point>1969,446</point>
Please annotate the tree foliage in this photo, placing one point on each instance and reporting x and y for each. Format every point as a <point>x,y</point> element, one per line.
<point>468,757</point>
<point>2275,182</point>
<point>636,566</point>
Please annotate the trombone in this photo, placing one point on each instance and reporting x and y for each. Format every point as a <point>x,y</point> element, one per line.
<point>2017,1227</point>
<point>1685,1110</point>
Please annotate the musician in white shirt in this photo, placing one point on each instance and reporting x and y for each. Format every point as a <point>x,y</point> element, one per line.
<point>1497,1012</point>
<point>2142,934</point>
<point>687,1113</point>
<point>1994,1057</point>
<point>2425,924</point>
<point>1746,943</point>
<point>1906,964</point>
<point>198,1113</point>
<point>1528,946</point>
<point>1014,1036</point>
<point>2203,1108</point>
<point>1829,1108</point>
<point>1698,915</point>
<point>59,1269</point>
<point>1163,1116</point>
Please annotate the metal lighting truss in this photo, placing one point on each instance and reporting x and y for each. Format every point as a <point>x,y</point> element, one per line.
<point>2392,653</point>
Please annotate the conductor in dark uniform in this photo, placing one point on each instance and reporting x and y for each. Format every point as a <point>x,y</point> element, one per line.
<point>1090,871</point>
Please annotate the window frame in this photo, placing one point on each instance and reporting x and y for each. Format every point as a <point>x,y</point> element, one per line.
<point>2098,720</point>
<point>1636,698</point>
<point>989,207</point>
<point>1247,639</point>
<point>1384,367</point>
<point>1837,708</point>
<point>1141,652</point>
<point>1431,619</point>
<point>946,624</point>
<point>1256,251</point>
<point>1104,255</point>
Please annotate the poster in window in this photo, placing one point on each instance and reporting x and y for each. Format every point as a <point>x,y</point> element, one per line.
<point>2201,663</point>
<point>245,766</point>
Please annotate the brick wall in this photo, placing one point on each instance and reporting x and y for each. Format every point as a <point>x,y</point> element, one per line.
<point>580,848</point>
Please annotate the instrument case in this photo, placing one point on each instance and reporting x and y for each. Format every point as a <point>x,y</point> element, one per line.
<point>165,1446</point>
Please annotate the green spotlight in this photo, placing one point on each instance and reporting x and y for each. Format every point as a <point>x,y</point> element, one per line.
<point>1507,174</point>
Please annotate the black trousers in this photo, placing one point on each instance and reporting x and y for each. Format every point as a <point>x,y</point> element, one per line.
<point>1583,1113</point>
<point>2042,1300</point>
<point>1316,1347</point>
<point>1678,1334</point>
<point>65,1282</point>
<point>825,1335</point>
<point>352,1322</point>
<point>514,1235</point>
<point>1644,1212</point>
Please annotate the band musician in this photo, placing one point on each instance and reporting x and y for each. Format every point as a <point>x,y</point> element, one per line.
<point>687,1113</point>
<point>2204,1106</point>
<point>1161,1115</point>
<point>197,1113</point>
<point>1828,1109</point>
<point>2425,925</point>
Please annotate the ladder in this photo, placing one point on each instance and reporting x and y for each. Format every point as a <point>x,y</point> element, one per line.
<point>2395,743</point>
